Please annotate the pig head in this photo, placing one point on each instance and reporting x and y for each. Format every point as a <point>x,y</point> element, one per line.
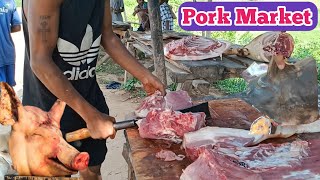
<point>288,92</point>
<point>36,145</point>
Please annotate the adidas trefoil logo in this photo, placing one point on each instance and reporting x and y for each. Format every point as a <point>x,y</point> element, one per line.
<point>87,53</point>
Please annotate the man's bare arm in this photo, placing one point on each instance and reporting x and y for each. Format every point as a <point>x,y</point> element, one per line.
<point>118,52</point>
<point>15,28</point>
<point>43,24</point>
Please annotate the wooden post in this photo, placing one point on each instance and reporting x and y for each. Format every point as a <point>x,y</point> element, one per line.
<point>208,33</point>
<point>157,40</point>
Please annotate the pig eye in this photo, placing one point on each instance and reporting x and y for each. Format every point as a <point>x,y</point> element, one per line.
<point>37,134</point>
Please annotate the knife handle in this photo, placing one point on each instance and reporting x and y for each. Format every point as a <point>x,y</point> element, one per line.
<point>78,135</point>
<point>84,132</point>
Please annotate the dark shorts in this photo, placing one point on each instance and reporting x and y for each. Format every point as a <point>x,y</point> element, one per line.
<point>7,74</point>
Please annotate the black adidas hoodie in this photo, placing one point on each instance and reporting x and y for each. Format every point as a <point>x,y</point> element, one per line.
<point>76,55</point>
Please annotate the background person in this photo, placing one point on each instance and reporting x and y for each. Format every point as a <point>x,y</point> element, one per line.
<point>10,22</point>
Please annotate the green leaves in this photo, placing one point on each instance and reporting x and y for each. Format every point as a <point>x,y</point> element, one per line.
<point>130,85</point>
<point>232,85</point>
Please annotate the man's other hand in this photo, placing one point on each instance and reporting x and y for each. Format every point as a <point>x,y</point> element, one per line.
<point>151,84</point>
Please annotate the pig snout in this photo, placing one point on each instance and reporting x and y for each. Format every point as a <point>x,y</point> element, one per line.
<point>71,157</point>
<point>80,161</point>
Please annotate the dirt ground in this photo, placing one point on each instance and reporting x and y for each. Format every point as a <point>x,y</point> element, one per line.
<point>115,167</point>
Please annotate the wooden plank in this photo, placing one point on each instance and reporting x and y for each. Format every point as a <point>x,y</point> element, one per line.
<point>146,166</point>
<point>177,75</point>
<point>13,177</point>
<point>146,51</point>
<point>157,40</point>
<point>165,35</point>
<point>211,69</point>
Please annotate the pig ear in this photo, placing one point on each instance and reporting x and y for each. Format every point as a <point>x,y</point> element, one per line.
<point>9,103</point>
<point>57,110</point>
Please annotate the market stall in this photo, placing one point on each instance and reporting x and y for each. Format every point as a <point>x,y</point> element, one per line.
<point>185,72</point>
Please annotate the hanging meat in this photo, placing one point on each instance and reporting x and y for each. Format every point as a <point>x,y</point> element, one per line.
<point>36,145</point>
<point>265,46</point>
<point>195,48</point>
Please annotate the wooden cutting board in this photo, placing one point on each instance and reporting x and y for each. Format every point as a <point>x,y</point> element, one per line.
<point>142,152</point>
<point>232,113</point>
<point>38,178</point>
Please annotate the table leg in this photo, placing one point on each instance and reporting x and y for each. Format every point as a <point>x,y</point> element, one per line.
<point>126,156</point>
<point>185,86</point>
<point>130,48</point>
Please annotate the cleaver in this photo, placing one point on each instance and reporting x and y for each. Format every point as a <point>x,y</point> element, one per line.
<point>84,132</point>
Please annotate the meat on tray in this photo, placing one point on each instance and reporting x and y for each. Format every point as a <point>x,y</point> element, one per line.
<point>265,161</point>
<point>170,125</point>
<point>174,100</point>
<point>195,48</point>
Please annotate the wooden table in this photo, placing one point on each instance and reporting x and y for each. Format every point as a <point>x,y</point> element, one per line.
<point>140,153</point>
<point>234,113</point>
<point>121,29</point>
<point>39,178</point>
<point>184,72</point>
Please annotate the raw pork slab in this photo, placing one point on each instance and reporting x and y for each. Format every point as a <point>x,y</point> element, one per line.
<point>195,48</point>
<point>195,142</point>
<point>296,160</point>
<point>174,100</point>
<point>170,125</point>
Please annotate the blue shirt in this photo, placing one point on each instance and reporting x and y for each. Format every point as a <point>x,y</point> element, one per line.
<point>8,17</point>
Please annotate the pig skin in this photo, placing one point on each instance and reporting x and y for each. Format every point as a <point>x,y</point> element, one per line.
<point>36,145</point>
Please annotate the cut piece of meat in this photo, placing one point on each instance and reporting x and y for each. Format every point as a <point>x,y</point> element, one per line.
<point>174,100</point>
<point>155,101</point>
<point>178,100</point>
<point>275,161</point>
<point>167,155</point>
<point>195,142</point>
<point>266,157</point>
<point>170,125</point>
<point>212,166</point>
<point>195,48</point>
